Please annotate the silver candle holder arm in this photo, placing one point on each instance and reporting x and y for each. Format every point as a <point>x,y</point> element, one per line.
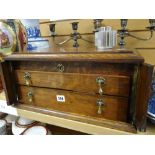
<point>123,32</point>
<point>143,39</point>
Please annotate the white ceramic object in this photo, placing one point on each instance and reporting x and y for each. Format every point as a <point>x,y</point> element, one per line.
<point>10,118</point>
<point>37,130</point>
<point>17,130</point>
<point>28,127</point>
<point>2,126</point>
<point>21,124</point>
<point>3,133</point>
<point>24,121</point>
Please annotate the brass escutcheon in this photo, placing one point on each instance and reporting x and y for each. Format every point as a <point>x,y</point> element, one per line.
<point>60,68</point>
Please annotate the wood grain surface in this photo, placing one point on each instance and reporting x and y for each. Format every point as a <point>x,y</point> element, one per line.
<point>114,108</point>
<point>114,85</point>
<point>8,82</point>
<point>77,67</point>
<point>107,57</point>
<point>143,94</point>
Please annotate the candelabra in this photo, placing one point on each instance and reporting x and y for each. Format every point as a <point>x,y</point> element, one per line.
<point>75,36</point>
<point>123,32</point>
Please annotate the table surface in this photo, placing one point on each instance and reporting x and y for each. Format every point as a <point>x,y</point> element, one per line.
<point>65,123</point>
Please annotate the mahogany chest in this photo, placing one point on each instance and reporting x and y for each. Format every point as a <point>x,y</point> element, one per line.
<point>109,89</point>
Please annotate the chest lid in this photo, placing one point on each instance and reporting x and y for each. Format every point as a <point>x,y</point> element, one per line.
<point>79,54</point>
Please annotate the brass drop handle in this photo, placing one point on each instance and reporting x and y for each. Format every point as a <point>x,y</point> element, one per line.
<point>100,105</point>
<point>100,81</point>
<point>27,78</point>
<point>30,96</point>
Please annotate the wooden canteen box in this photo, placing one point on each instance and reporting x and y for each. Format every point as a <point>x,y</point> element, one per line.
<point>109,89</point>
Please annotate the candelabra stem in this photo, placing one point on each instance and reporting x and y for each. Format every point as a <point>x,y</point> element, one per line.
<point>122,43</point>
<point>122,35</point>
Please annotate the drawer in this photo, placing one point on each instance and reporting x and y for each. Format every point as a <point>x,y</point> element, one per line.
<point>114,108</point>
<point>76,67</point>
<point>90,83</point>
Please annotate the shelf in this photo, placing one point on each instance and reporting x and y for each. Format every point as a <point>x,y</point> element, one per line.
<point>62,122</point>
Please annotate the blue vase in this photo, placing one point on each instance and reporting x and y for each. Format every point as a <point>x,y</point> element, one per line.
<point>35,41</point>
<point>151,104</point>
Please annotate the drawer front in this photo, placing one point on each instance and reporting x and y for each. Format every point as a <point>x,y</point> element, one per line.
<point>90,83</point>
<point>77,67</point>
<point>114,108</point>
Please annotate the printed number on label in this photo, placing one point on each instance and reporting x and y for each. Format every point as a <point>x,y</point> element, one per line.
<point>60,98</point>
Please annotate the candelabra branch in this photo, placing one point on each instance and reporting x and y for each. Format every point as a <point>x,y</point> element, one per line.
<point>67,35</point>
<point>63,42</point>
<point>72,37</point>
<point>87,40</point>
<point>144,39</point>
<point>56,21</point>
